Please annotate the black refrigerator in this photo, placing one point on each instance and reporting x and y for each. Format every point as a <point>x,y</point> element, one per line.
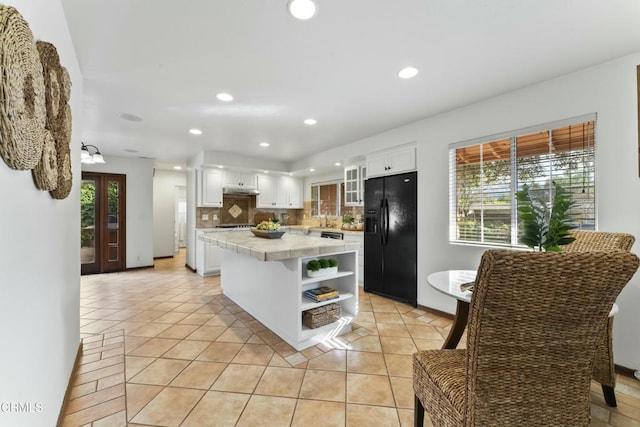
<point>390,241</point>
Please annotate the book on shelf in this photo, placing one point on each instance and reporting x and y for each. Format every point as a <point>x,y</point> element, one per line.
<point>315,299</point>
<point>322,297</point>
<point>322,293</point>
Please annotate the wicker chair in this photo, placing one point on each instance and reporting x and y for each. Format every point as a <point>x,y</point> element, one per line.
<point>535,322</point>
<point>603,366</point>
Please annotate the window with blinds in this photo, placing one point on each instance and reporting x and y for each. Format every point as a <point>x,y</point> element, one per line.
<point>325,199</point>
<point>485,175</point>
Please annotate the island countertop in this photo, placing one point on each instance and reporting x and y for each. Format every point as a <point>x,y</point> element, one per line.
<point>288,246</point>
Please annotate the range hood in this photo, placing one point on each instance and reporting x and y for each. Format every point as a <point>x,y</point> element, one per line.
<point>240,189</point>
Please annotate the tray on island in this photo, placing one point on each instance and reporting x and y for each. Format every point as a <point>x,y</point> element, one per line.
<point>268,234</point>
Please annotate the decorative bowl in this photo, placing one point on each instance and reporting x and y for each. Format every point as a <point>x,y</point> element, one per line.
<point>268,234</point>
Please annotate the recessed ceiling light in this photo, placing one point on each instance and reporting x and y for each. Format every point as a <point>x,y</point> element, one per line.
<point>265,171</point>
<point>177,168</point>
<point>290,174</point>
<point>337,163</point>
<point>310,122</point>
<point>312,170</point>
<point>195,131</point>
<point>302,9</point>
<point>264,144</point>
<point>220,167</point>
<point>408,72</point>
<point>224,97</point>
<point>130,150</point>
<point>131,117</point>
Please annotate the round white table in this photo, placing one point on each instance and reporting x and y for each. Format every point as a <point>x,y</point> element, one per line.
<point>448,282</point>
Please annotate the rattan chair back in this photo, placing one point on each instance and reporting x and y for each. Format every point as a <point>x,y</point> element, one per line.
<point>535,322</point>
<point>599,241</point>
<point>603,365</point>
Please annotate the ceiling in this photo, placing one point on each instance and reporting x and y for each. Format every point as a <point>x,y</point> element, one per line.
<point>165,62</point>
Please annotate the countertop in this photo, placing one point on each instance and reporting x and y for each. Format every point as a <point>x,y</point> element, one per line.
<point>288,246</point>
<point>308,229</point>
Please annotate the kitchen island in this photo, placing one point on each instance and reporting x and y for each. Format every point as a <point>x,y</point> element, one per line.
<point>267,278</point>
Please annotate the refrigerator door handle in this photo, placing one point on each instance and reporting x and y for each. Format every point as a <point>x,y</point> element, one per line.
<point>386,221</point>
<point>380,228</point>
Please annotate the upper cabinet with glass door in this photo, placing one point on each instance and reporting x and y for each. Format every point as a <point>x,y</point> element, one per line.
<point>354,177</point>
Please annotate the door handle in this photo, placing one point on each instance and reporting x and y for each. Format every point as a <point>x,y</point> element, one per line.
<point>381,222</point>
<point>386,221</point>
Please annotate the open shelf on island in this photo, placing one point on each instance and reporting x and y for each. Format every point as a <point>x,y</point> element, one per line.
<point>337,326</point>
<point>308,304</point>
<point>307,280</point>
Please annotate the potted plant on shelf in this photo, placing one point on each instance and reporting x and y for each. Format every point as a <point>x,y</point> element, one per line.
<point>545,226</point>
<point>322,267</point>
<point>347,221</point>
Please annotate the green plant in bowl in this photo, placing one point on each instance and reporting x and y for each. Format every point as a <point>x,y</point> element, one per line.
<point>313,265</point>
<point>268,226</point>
<point>324,263</point>
<point>333,262</point>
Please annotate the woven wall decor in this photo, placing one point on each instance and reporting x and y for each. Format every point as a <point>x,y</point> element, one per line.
<point>57,93</point>
<point>66,84</point>
<point>64,131</point>
<point>63,153</point>
<point>22,99</point>
<point>45,174</point>
<point>55,98</point>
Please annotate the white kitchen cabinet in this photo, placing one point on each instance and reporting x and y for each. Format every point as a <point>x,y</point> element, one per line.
<point>354,177</point>
<point>209,187</point>
<point>293,189</point>
<point>208,257</point>
<point>240,179</point>
<point>391,162</point>
<point>268,187</point>
<point>281,192</point>
<point>358,237</point>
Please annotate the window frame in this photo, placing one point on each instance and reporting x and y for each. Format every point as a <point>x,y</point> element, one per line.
<point>338,192</point>
<point>514,182</point>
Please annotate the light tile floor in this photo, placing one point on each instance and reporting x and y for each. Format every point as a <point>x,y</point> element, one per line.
<point>165,347</point>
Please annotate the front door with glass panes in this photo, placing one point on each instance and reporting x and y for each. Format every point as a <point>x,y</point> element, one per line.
<point>102,222</point>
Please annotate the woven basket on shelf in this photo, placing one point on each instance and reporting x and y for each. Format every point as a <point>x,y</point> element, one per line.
<point>22,99</point>
<point>45,174</point>
<point>320,316</point>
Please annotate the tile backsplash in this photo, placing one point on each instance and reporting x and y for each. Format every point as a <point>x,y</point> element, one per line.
<point>241,210</point>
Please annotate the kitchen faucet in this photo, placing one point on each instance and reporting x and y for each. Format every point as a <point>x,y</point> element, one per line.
<point>326,220</point>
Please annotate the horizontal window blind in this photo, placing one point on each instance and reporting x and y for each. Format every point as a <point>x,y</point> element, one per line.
<point>484,177</point>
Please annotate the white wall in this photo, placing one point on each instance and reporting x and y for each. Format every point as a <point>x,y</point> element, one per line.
<point>609,90</point>
<point>40,261</point>
<point>139,208</point>
<point>164,210</point>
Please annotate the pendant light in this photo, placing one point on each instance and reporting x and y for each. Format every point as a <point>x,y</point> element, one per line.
<point>88,158</point>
